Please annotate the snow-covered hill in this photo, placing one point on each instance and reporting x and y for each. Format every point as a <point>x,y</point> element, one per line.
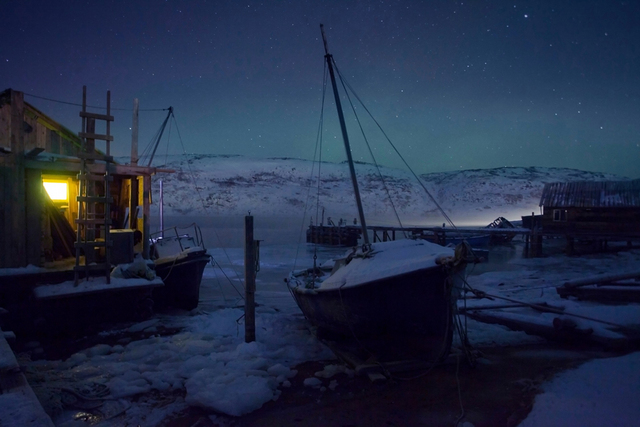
<point>235,185</point>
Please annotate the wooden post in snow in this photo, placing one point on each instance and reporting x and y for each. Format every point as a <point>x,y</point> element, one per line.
<point>250,281</point>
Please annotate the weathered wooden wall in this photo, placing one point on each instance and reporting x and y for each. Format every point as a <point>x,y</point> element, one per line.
<point>612,221</point>
<point>24,128</point>
<point>13,189</point>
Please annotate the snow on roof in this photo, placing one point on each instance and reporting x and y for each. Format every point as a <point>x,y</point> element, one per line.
<point>592,194</point>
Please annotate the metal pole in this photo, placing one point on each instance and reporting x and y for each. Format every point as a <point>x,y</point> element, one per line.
<point>345,138</point>
<point>161,209</point>
<point>250,281</point>
<point>134,133</point>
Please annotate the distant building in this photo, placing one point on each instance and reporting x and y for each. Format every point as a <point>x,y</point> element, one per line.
<point>606,210</point>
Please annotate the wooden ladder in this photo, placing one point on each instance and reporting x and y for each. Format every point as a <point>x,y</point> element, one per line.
<point>94,198</point>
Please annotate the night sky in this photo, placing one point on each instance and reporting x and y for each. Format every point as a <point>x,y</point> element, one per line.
<point>455,85</point>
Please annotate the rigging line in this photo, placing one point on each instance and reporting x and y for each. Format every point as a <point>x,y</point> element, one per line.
<point>92,106</point>
<point>444,214</point>
<point>147,150</point>
<point>317,152</point>
<point>228,279</point>
<point>204,207</point>
<point>384,184</point>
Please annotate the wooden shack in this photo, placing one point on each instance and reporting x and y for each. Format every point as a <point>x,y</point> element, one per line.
<point>88,225</point>
<point>605,210</point>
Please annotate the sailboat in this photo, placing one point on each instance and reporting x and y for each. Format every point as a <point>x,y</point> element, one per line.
<point>395,300</point>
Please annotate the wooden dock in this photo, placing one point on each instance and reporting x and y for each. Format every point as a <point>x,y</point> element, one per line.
<point>334,235</point>
<point>440,234</point>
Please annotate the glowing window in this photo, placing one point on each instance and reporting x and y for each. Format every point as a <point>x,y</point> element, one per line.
<point>56,190</point>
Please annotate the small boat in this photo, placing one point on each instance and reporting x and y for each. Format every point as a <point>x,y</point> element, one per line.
<point>395,300</point>
<point>180,260</point>
<point>501,223</point>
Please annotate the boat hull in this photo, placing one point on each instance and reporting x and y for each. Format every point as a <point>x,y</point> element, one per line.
<point>402,317</point>
<point>182,278</point>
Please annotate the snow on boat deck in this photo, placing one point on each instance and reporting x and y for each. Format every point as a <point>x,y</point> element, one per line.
<point>388,259</point>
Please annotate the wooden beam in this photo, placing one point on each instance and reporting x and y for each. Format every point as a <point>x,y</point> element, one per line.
<point>34,152</point>
<point>35,216</point>
<point>17,212</point>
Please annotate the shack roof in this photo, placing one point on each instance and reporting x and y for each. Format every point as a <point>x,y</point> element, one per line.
<point>592,194</point>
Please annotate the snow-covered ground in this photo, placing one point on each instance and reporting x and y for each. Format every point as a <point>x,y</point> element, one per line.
<point>208,361</point>
<point>219,371</point>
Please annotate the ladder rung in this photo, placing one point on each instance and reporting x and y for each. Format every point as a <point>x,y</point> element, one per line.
<point>94,199</point>
<point>94,221</point>
<point>95,136</point>
<point>95,156</point>
<point>93,267</point>
<point>96,116</point>
<point>92,244</point>
<point>94,177</point>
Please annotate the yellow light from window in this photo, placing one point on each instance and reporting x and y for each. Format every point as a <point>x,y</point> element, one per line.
<point>56,190</point>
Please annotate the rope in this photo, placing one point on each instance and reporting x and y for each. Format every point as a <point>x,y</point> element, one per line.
<point>444,214</point>
<point>462,414</point>
<point>317,152</point>
<point>384,184</point>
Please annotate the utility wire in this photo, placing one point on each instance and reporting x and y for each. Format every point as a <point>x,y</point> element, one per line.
<point>91,106</point>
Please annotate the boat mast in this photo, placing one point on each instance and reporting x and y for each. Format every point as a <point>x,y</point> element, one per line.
<point>345,138</point>
<point>155,146</point>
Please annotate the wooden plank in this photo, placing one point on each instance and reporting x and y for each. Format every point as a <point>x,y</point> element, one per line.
<point>550,329</point>
<point>623,294</point>
<point>90,135</point>
<point>96,116</point>
<point>93,286</point>
<point>601,278</point>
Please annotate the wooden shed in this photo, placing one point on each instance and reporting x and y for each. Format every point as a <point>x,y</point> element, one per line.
<point>68,212</point>
<point>35,152</point>
<point>608,210</point>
